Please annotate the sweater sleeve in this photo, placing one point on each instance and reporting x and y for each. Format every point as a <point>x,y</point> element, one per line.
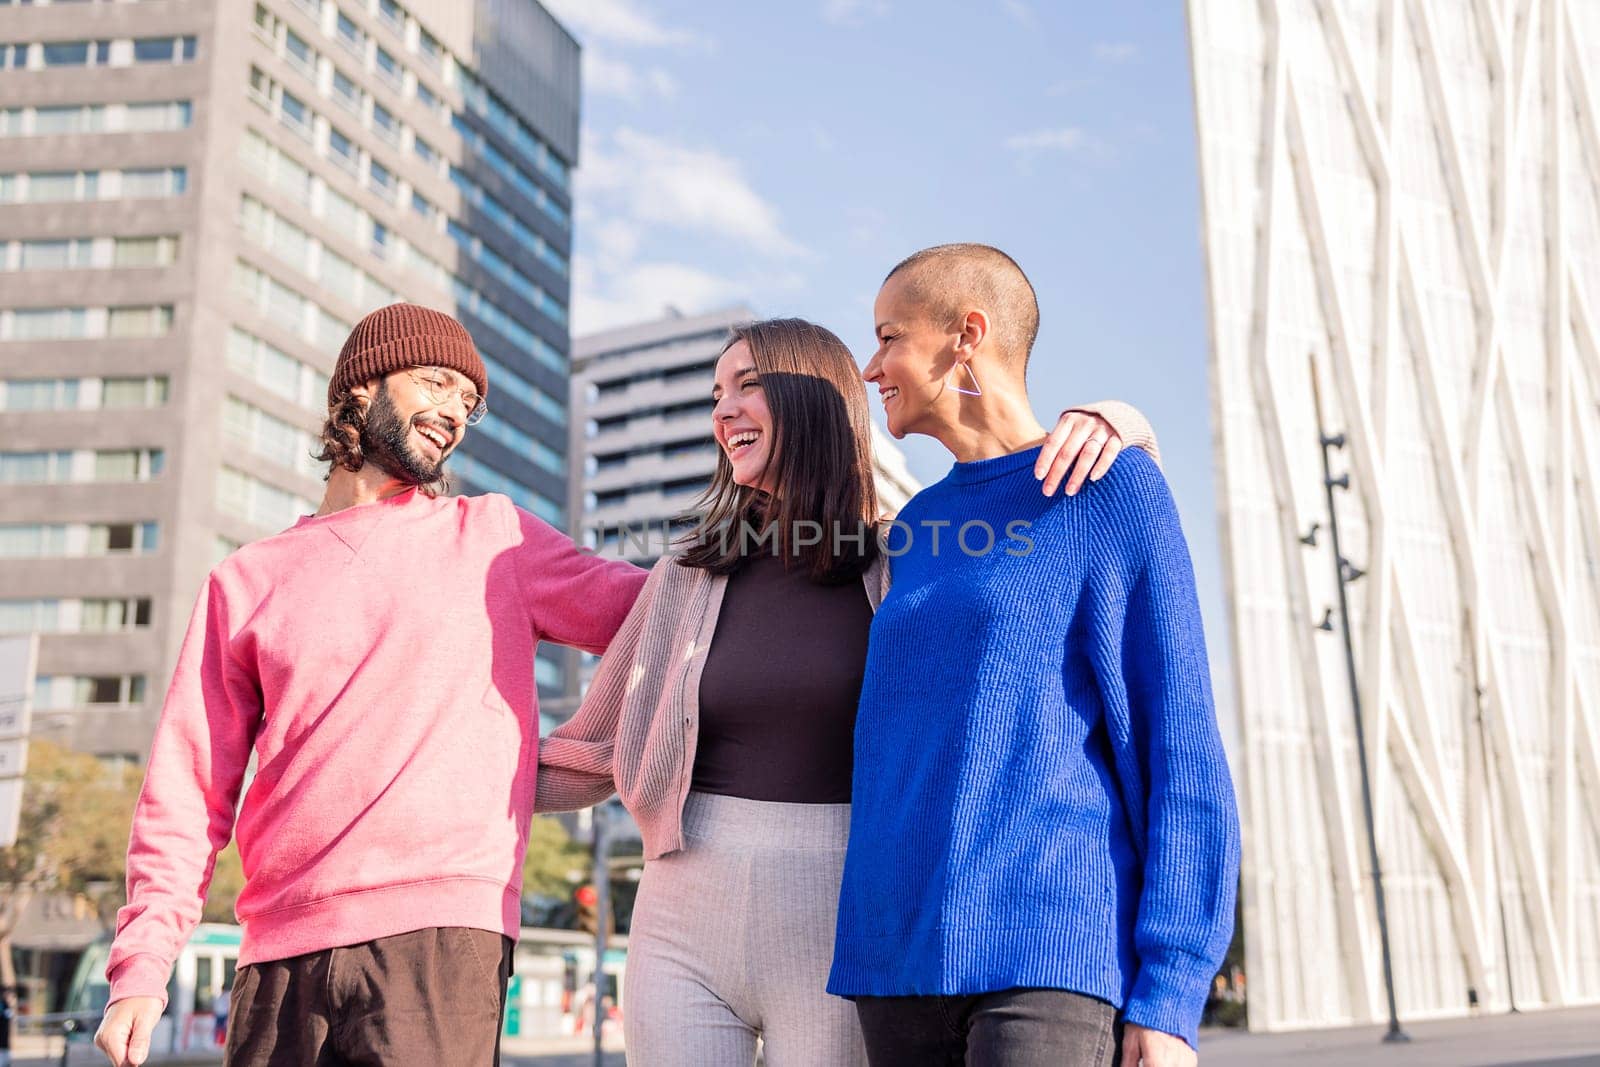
<point>185,813</point>
<point>1129,422</point>
<point>575,759</point>
<point>1170,764</point>
<point>574,598</point>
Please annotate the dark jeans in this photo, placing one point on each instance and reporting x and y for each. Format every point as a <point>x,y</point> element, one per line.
<point>1011,1028</point>
<point>431,996</point>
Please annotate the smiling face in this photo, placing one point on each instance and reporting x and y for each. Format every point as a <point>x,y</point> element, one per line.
<point>408,433</point>
<point>915,355</point>
<point>741,419</point>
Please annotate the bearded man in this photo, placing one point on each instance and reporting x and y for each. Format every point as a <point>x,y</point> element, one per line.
<point>377,660</point>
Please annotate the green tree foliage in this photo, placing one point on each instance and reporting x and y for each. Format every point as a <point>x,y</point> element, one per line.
<point>72,836</point>
<point>227,879</point>
<point>553,860</point>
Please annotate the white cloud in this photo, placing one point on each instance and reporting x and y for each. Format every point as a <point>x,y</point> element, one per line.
<point>1019,11</point>
<point>602,300</point>
<point>663,184</point>
<point>608,76</point>
<point>853,12</point>
<point>618,22</point>
<point>1064,139</point>
<point>663,83</point>
<point>1115,51</point>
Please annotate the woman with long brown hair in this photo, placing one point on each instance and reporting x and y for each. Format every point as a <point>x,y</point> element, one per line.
<point>724,713</point>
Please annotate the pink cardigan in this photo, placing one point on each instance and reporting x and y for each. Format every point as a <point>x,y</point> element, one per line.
<point>636,731</point>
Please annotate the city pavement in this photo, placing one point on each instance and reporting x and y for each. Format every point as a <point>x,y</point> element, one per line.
<point>1533,1039</point>
<point>1568,1038</point>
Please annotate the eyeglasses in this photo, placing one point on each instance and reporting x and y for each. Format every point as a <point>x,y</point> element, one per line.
<point>439,391</point>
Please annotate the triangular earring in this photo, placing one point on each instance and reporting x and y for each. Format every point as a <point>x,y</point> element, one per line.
<point>976,390</point>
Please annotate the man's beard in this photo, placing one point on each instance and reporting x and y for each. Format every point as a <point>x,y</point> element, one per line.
<point>385,441</point>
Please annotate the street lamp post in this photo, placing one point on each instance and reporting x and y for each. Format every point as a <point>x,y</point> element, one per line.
<point>602,888</point>
<point>1344,573</point>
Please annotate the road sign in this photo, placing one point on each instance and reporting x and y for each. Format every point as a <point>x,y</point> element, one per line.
<point>18,656</point>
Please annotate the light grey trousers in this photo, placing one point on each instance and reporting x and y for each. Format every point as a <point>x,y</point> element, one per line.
<point>732,939</point>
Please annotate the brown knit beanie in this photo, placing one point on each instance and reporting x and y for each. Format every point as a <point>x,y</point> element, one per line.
<point>401,336</point>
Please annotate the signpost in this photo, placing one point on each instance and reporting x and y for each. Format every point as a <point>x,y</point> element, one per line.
<point>18,656</point>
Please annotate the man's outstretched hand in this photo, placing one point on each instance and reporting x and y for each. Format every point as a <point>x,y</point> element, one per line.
<point>124,1034</point>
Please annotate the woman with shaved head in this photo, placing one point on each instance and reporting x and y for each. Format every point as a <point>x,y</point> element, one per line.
<point>1043,841</point>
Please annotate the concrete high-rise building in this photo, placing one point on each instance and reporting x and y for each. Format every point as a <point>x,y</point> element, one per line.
<point>1402,197</point>
<point>198,199</point>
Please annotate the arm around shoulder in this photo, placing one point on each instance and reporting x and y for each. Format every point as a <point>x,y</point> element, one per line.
<point>1129,423</point>
<point>576,758</point>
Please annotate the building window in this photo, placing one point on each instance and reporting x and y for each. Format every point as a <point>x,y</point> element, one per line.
<point>107,616</point>
<point>144,251</point>
<point>388,68</point>
<point>429,49</point>
<point>56,255</point>
<point>392,13</point>
<point>426,97</point>
<point>299,53</point>
<point>343,151</point>
<point>293,113</point>
<point>350,35</point>
<point>425,151</point>
<point>79,118</point>
<point>155,182</point>
<point>148,392</point>
<point>384,124</point>
<point>74,540</point>
<point>43,394</point>
<point>257,502</point>
<point>347,92</point>
<point>67,53</point>
<point>49,324</point>
<point>382,181</point>
<point>171,115</point>
<point>139,321</point>
<point>164,50</point>
<point>63,692</point>
<point>269,437</point>
<point>276,371</point>
<point>35,468</point>
<point>127,465</point>
<point>56,186</point>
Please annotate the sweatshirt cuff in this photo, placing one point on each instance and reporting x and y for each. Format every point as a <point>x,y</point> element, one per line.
<point>1170,999</point>
<point>140,975</point>
<point>1129,423</point>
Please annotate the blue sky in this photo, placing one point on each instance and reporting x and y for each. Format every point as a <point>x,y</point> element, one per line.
<point>789,154</point>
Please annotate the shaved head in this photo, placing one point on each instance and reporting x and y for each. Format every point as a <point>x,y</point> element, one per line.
<point>947,281</point>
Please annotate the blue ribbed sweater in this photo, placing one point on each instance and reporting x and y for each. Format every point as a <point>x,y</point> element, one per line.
<point>1040,795</point>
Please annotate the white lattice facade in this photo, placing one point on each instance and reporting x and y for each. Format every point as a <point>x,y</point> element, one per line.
<point>1406,194</point>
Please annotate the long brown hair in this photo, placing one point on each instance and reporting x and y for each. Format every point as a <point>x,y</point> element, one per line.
<point>821,459</point>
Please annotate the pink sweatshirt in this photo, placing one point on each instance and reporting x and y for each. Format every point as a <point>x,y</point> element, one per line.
<point>378,662</point>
